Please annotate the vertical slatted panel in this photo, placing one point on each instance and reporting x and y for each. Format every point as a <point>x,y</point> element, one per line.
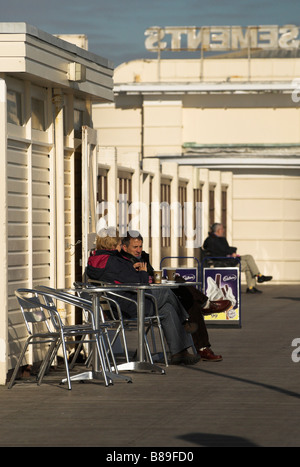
<point>18,246</point>
<point>40,217</point>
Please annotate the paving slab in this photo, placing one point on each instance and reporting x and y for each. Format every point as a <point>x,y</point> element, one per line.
<point>250,399</point>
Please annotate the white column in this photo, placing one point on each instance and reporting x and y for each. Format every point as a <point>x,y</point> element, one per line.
<point>132,161</point>
<point>153,165</point>
<point>204,180</point>
<point>171,169</point>
<point>108,156</point>
<point>3,236</point>
<point>226,178</point>
<point>187,172</point>
<point>215,179</point>
<point>60,194</point>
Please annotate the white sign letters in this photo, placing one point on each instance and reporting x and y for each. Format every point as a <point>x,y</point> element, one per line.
<point>221,38</point>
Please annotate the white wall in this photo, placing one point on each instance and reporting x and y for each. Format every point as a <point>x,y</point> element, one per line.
<point>266,223</point>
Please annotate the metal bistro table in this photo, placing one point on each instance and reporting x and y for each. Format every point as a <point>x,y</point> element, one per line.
<point>141,364</point>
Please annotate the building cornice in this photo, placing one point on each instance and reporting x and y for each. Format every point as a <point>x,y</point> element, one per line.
<point>204,87</point>
<point>229,162</point>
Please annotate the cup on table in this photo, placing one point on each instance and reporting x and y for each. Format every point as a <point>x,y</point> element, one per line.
<point>171,273</point>
<point>157,277</point>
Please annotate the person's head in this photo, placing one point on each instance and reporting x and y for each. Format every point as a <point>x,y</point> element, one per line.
<point>133,243</point>
<point>218,229</point>
<point>108,239</point>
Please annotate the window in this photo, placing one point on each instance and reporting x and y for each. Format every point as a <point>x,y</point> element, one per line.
<point>182,198</point>
<point>78,123</point>
<point>197,205</point>
<point>124,201</point>
<point>38,114</point>
<point>14,107</point>
<point>165,199</point>
<point>81,117</point>
<point>198,215</point>
<point>224,209</point>
<point>102,193</point>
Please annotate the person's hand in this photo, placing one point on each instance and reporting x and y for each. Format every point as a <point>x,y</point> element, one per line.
<point>140,266</point>
<point>143,267</point>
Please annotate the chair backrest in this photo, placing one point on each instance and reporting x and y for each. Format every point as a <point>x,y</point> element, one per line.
<point>33,310</point>
<point>45,308</point>
<point>51,294</point>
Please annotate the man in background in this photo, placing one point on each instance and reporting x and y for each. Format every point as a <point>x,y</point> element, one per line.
<point>195,303</point>
<point>216,245</point>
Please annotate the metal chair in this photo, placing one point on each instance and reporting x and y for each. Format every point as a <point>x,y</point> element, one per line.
<point>86,305</point>
<point>115,317</point>
<point>44,326</point>
<point>108,317</point>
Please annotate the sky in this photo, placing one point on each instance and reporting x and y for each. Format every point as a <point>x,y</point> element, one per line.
<point>116,28</point>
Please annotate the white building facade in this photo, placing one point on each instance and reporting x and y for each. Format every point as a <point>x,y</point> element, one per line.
<point>239,120</point>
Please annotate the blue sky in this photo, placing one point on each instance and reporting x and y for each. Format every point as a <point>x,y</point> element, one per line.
<point>115,28</point>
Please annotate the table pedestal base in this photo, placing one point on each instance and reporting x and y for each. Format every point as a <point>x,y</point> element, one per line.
<point>140,366</point>
<point>97,375</point>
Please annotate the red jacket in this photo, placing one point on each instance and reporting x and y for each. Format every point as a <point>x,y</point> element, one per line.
<point>109,266</point>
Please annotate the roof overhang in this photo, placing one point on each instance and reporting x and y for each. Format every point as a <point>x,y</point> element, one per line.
<point>235,162</point>
<point>205,87</point>
<point>29,53</point>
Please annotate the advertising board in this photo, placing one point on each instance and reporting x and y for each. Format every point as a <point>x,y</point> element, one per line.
<point>221,283</point>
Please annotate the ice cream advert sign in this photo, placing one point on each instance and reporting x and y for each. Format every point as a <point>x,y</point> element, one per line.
<point>223,284</point>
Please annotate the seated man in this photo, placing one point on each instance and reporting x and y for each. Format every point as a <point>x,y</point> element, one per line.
<point>217,245</point>
<point>196,303</point>
<point>107,265</point>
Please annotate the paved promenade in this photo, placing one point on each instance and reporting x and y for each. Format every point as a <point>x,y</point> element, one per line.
<point>251,398</point>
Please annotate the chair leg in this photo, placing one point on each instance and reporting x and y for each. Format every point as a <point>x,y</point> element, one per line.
<point>89,358</point>
<point>147,348</point>
<point>100,352</point>
<point>161,335</point>
<point>150,328</point>
<point>79,347</point>
<point>63,343</point>
<point>122,330</point>
<point>153,338</point>
<point>14,375</point>
<point>49,357</point>
<point>109,352</point>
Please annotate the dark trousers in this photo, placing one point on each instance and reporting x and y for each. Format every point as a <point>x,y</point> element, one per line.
<point>173,314</point>
<point>193,301</point>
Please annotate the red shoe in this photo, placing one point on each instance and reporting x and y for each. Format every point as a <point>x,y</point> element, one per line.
<point>207,355</point>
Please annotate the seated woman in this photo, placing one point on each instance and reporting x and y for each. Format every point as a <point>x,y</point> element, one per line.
<point>107,265</point>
